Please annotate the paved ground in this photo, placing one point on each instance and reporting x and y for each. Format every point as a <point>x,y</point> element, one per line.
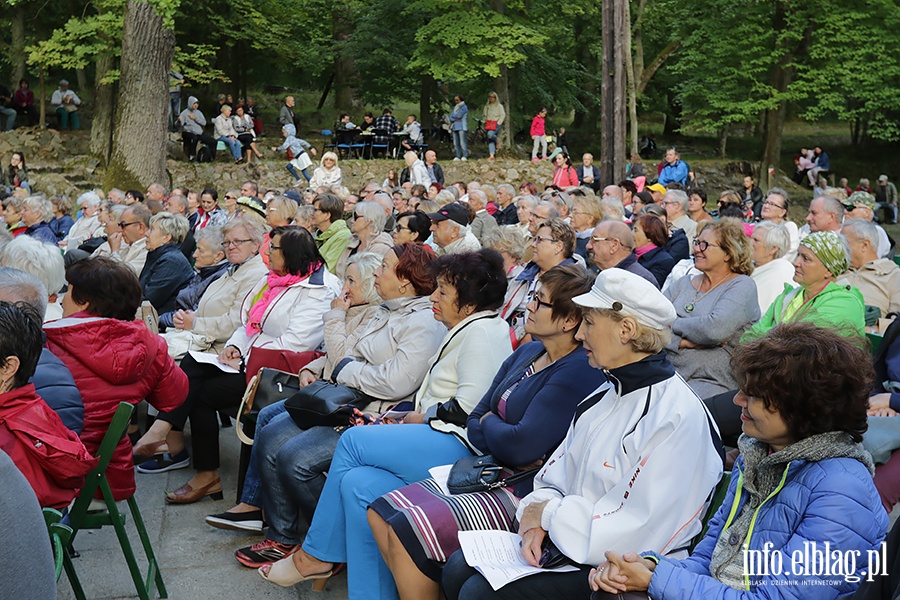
<point>197,561</point>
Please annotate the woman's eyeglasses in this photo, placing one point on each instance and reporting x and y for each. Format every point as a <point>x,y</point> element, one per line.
<point>702,245</point>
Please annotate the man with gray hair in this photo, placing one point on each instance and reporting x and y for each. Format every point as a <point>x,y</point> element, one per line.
<point>116,196</point>
<point>37,212</point>
<point>878,279</point>
<point>507,215</point>
<point>544,211</point>
<point>44,263</point>
<point>483,224</point>
<point>178,205</point>
<point>676,204</point>
<point>611,246</point>
<point>563,204</point>
<point>130,244</point>
<point>387,203</point>
<point>612,209</point>
<point>154,198</point>
<point>825,214</point>
<point>450,230</point>
<point>52,380</point>
<point>861,205</point>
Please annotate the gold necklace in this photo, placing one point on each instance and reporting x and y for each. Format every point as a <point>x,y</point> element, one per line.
<point>698,296</point>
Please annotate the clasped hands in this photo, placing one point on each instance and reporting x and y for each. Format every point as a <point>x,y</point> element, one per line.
<point>622,573</point>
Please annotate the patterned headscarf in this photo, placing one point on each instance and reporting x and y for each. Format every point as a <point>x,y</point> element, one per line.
<point>829,249</point>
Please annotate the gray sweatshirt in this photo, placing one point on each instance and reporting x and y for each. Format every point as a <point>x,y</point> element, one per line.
<point>196,124</point>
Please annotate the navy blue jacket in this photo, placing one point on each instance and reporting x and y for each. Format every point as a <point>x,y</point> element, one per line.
<point>54,383</point>
<point>189,297</point>
<point>659,262</point>
<point>508,215</point>
<point>61,226</point>
<point>630,263</point>
<point>42,232</point>
<point>677,246</point>
<point>538,411</point>
<point>164,274</point>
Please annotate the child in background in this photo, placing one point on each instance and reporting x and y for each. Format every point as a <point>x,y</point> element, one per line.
<point>299,158</point>
<point>539,135</point>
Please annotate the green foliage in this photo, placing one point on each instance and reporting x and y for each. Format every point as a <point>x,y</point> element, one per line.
<point>194,64</point>
<point>79,42</point>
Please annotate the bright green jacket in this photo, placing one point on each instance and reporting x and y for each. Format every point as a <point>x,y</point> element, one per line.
<point>332,242</point>
<point>839,306</point>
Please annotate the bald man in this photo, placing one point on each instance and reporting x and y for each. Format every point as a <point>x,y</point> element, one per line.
<point>612,247</point>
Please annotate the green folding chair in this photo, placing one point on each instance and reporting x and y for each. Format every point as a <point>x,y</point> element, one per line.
<point>80,518</point>
<point>60,538</point>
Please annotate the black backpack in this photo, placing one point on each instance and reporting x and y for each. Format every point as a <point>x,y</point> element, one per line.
<point>205,154</point>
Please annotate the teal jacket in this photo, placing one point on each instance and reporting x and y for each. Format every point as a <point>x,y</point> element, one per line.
<point>835,306</point>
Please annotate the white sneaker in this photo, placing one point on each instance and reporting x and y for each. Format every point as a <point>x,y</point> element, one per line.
<point>456,159</point>
<point>464,159</point>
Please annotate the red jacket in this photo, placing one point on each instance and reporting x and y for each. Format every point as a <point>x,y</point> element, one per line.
<point>115,361</point>
<point>51,457</point>
<point>537,125</point>
<point>565,177</point>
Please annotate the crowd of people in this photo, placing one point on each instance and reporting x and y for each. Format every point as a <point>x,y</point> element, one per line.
<point>582,339</point>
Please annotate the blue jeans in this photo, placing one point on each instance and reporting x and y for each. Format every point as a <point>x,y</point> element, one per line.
<point>459,143</point>
<point>370,462</point>
<point>292,465</point>
<point>252,491</point>
<point>293,171</point>
<point>233,145</point>
<point>10,114</point>
<point>492,137</point>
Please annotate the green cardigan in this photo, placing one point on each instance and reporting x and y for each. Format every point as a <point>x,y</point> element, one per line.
<point>332,242</point>
<point>837,305</point>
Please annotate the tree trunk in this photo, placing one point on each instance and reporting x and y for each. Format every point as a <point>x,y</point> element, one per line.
<point>42,95</point>
<point>723,141</point>
<point>17,44</point>
<point>81,78</point>
<point>345,75</point>
<point>139,143</point>
<point>632,85</point>
<point>426,93</point>
<point>325,92</point>
<point>104,109</point>
<point>612,92</point>
<point>501,88</point>
<point>585,115</point>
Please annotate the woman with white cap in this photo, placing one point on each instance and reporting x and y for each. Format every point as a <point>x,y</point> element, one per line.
<point>609,482</point>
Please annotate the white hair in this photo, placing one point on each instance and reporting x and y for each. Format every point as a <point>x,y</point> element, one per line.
<point>42,204</point>
<point>373,213</point>
<point>612,209</point>
<point>19,286</point>
<point>174,225</point>
<point>42,261</point>
<point>777,237</point>
<point>680,197</point>
<point>863,229</point>
<point>91,198</point>
<point>367,262</point>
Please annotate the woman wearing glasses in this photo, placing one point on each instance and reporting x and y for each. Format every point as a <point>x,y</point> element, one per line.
<point>333,234</point>
<point>230,204</point>
<point>775,209</point>
<point>714,308</point>
<point>368,234</point>
<point>283,311</point>
<point>412,226</point>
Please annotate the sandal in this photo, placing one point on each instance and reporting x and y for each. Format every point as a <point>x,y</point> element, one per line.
<point>285,574</point>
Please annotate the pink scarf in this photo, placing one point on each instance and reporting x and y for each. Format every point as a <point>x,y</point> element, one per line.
<point>639,252</point>
<point>275,284</point>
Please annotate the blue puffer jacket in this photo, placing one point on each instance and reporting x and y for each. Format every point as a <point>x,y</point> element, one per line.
<point>831,500</point>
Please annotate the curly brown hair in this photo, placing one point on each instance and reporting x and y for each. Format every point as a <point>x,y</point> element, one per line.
<point>817,379</point>
<point>734,242</point>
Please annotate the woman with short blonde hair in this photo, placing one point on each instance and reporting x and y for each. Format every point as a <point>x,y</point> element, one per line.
<point>328,174</point>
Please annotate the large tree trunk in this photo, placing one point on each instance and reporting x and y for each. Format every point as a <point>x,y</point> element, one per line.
<point>139,144</point>
<point>17,44</point>
<point>345,75</point>
<point>104,109</point>
<point>612,93</point>
<point>632,86</point>
<point>426,93</point>
<point>723,141</point>
<point>501,88</point>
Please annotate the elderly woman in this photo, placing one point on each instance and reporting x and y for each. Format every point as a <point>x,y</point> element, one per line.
<point>821,258</point>
<point>610,481</point>
<point>371,461</point>
<point>510,242</point>
<point>334,235</point>
<point>208,324</point>
<point>650,238</point>
<point>87,225</point>
<point>525,205</point>
<point>230,204</point>
<point>166,270</point>
<point>803,481</point>
<point>520,420</point>
<point>62,221</point>
<point>553,244</point>
<point>28,426</point>
<point>110,215</point>
<point>714,308</point>
<point>775,209</point>
<point>384,345</point>
<point>225,133</point>
<point>246,135</point>
<point>368,234</point>
<point>413,227</point>
<point>12,215</point>
<point>280,312</point>
<point>113,357</point>
<point>771,271</point>
<point>37,212</point>
<point>328,173</point>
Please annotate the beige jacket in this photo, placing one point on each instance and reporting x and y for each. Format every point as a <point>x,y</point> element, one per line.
<point>134,255</point>
<point>379,245</point>
<point>219,312</point>
<point>879,282</point>
<point>342,331</point>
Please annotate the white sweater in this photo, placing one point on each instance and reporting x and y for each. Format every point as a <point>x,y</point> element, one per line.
<point>770,279</point>
<point>635,471</point>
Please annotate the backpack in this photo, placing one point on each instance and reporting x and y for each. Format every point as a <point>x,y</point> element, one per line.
<point>205,154</point>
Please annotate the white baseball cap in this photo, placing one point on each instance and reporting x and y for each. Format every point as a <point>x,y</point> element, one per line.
<point>630,294</point>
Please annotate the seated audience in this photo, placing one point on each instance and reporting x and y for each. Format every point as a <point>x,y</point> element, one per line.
<point>612,247</point>
<point>585,215</point>
<point>697,206</point>
<point>44,263</point>
<point>771,270</point>
<point>328,173</point>
<point>166,270</point>
<point>62,221</point>
<point>606,485</point>
<point>368,234</point>
<point>650,239</point>
<point>129,244</point>
<point>37,212</point>
<point>334,235</point>
<point>412,226</point>
<point>714,308</point>
<point>87,225</point>
<point>510,242</point>
<point>878,279</point>
<point>801,457</point>
<point>209,264</point>
<point>861,205</point>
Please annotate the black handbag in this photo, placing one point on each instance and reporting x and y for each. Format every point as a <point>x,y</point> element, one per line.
<point>472,474</point>
<point>325,403</point>
<point>267,387</point>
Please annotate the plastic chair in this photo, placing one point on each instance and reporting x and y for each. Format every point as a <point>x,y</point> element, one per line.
<point>60,537</point>
<point>343,143</point>
<point>80,518</point>
<point>329,144</point>
<point>377,145</point>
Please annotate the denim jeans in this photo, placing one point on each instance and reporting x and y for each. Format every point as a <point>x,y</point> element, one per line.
<point>10,114</point>
<point>233,145</point>
<point>293,171</point>
<point>292,463</point>
<point>252,491</point>
<point>370,462</point>
<point>492,137</point>
<point>460,143</point>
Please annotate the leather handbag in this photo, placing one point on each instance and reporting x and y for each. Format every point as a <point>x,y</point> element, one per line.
<point>267,387</point>
<point>325,403</point>
<point>472,474</point>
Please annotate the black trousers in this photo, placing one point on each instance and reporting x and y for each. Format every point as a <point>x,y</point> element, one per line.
<point>210,390</point>
<point>727,416</point>
<point>189,141</point>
